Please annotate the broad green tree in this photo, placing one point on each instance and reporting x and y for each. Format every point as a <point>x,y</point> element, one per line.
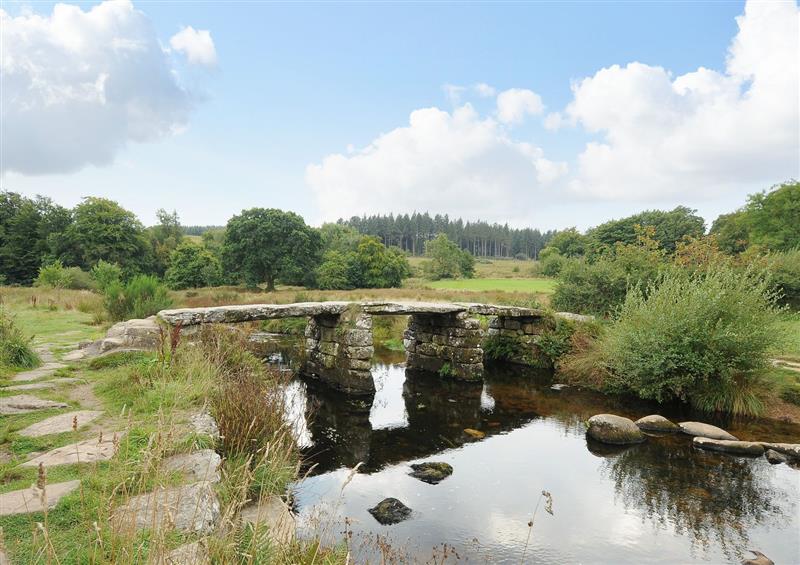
<point>570,243</point>
<point>103,230</point>
<point>192,266</point>
<point>773,217</point>
<point>264,245</point>
<point>165,237</point>
<point>669,227</point>
<point>447,260</point>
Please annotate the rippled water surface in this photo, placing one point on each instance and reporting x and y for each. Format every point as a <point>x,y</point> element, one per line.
<point>657,502</point>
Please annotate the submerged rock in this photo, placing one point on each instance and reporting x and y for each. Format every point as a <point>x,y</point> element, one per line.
<point>474,433</point>
<point>790,450</point>
<point>728,446</point>
<point>390,511</point>
<point>431,472</point>
<point>609,428</point>
<point>656,423</point>
<point>706,430</point>
<point>774,457</point>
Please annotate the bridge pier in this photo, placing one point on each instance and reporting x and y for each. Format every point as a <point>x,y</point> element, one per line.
<point>448,344</point>
<point>526,332</point>
<point>338,350</point>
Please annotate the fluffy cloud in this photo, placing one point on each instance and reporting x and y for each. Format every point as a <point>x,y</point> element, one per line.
<point>453,162</point>
<point>197,45</point>
<point>699,134</point>
<point>79,85</point>
<point>515,104</point>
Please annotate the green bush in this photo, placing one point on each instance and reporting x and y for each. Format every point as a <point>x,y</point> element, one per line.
<point>503,348</point>
<point>15,347</point>
<point>447,260</point>
<point>703,338</point>
<point>79,279</point>
<point>105,274</point>
<point>142,296</point>
<point>590,288</point>
<point>551,262</point>
<point>192,266</point>
<point>784,269</point>
<point>53,275</point>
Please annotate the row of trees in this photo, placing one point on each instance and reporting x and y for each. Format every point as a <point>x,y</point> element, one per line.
<point>481,239</point>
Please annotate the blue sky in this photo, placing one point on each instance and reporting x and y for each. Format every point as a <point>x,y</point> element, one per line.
<point>294,83</point>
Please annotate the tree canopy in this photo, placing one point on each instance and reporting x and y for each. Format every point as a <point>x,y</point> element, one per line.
<point>193,266</point>
<point>264,245</point>
<point>670,227</point>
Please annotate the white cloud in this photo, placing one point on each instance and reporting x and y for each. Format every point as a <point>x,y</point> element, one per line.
<point>515,104</point>
<point>484,90</point>
<point>703,133</point>
<point>78,86</point>
<point>454,162</point>
<point>197,45</point>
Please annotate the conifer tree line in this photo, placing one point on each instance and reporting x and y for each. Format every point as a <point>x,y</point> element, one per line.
<point>482,239</point>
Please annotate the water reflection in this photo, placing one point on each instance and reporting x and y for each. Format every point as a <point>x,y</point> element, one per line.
<point>661,501</point>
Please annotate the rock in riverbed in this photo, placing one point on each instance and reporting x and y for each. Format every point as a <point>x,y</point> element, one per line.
<point>735,447</point>
<point>774,457</point>
<point>656,423</point>
<point>390,511</point>
<point>431,472</point>
<point>706,430</point>
<point>609,428</point>
<point>790,450</point>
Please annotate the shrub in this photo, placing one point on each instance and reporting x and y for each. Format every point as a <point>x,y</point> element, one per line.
<point>551,261</point>
<point>79,279</point>
<point>447,260</point>
<point>105,274</point>
<point>53,275</point>
<point>784,269</point>
<point>142,296</point>
<point>192,266</point>
<point>702,338</point>
<point>15,347</point>
<point>503,348</point>
<point>590,288</point>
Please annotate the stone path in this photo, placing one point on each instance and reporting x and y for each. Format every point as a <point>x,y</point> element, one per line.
<point>44,371</point>
<point>86,451</point>
<point>40,385</point>
<point>24,403</point>
<point>61,423</point>
<point>30,499</point>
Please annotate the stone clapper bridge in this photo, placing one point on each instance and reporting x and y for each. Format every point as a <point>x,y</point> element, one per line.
<point>442,337</point>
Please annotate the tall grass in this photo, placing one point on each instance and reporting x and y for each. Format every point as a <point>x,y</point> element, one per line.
<point>15,347</point>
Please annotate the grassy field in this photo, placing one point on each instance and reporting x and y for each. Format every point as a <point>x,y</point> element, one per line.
<point>534,286</point>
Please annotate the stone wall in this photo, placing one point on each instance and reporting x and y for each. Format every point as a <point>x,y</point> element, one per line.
<point>526,331</point>
<point>448,344</point>
<point>339,349</point>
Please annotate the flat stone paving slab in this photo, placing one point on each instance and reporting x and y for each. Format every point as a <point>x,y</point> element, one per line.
<point>44,371</point>
<point>29,499</point>
<point>275,515</point>
<point>60,423</point>
<point>202,465</point>
<point>190,508</point>
<point>43,384</point>
<point>86,451</point>
<point>24,403</point>
<point>76,355</point>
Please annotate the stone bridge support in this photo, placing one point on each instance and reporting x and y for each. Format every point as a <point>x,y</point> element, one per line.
<point>448,344</point>
<point>338,350</point>
<point>525,331</point>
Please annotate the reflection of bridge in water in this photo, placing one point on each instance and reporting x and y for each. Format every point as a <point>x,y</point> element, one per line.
<point>441,337</point>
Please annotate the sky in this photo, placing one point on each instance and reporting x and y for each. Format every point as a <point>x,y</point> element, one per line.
<point>538,114</point>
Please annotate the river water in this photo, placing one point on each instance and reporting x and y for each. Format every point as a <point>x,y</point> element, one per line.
<point>658,502</point>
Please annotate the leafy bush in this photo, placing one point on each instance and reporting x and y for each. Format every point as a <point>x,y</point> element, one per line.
<point>79,279</point>
<point>784,269</point>
<point>702,338</point>
<point>105,274</point>
<point>142,296</point>
<point>192,266</point>
<point>503,348</point>
<point>370,265</point>
<point>15,347</point>
<point>551,262</point>
<point>53,275</point>
<point>447,260</point>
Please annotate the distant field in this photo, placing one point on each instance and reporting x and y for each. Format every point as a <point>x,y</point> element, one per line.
<point>508,285</point>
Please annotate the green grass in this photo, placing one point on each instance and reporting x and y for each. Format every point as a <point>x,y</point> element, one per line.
<point>545,286</point>
<point>790,328</point>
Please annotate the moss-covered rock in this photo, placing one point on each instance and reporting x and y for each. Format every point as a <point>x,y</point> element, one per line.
<point>431,472</point>
<point>390,511</point>
<point>656,423</point>
<point>609,428</point>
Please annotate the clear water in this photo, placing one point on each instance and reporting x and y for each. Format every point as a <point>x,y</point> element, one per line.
<point>657,502</point>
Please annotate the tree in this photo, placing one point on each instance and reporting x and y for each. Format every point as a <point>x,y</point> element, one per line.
<point>165,237</point>
<point>192,266</point>
<point>264,245</point>
<point>669,227</point>
<point>372,265</point>
<point>772,217</point>
<point>732,232</point>
<point>570,243</point>
<point>447,261</point>
<point>103,230</point>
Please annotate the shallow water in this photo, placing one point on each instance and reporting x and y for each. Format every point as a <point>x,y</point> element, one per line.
<point>657,502</point>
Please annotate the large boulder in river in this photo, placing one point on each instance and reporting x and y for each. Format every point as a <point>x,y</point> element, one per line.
<point>431,472</point>
<point>609,428</point>
<point>774,457</point>
<point>706,430</point>
<point>390,511</point>
<point>791,450</point>
<point>750,448</point>
<point>656,423</point>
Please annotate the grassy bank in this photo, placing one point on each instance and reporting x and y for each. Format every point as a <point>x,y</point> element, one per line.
<point>529,286</point>
<point>147,400</point>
